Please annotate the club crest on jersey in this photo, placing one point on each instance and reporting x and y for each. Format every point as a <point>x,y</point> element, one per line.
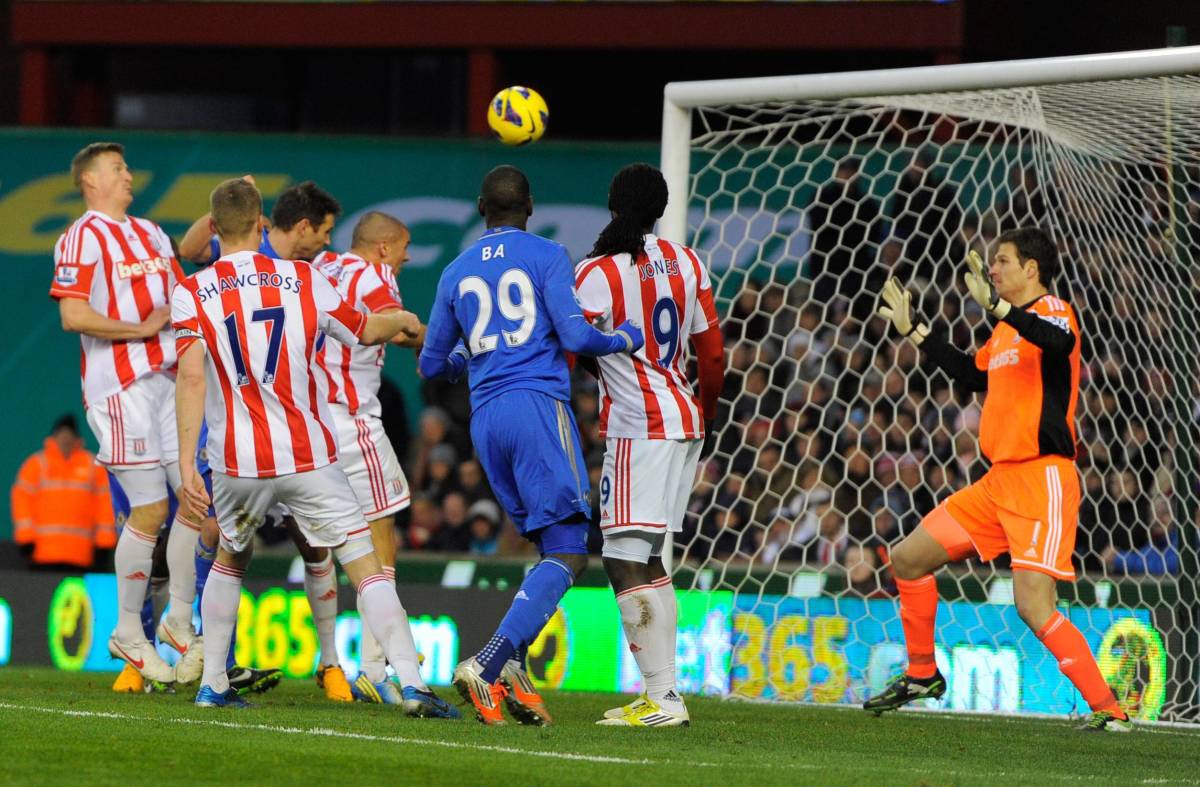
<point>139,445</point>
<point>129,270</point>
<point>66,275</point>
<point>658,268</point>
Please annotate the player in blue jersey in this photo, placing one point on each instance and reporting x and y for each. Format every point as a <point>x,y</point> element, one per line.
<point>511,296</point>
<point>301,222</point>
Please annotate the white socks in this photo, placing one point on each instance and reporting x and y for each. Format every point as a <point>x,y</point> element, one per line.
<point>385,617</point>
<point>649,620</point>
<point>132,561</point>
<point>371,659</point>
<point>320,585</point>
<point>181,564</point>
<point>666,594</point>
<point>218,615</point>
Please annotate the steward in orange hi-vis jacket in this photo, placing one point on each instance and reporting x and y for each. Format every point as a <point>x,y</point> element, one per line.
<point>60,502</point>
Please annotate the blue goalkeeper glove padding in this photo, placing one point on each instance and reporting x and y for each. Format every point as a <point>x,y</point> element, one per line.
<point>632,334</point>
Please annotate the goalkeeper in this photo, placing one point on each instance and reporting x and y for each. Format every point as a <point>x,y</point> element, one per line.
<point>1027,502</point>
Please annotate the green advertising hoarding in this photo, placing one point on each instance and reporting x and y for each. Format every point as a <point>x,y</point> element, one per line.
<point>431,185</point>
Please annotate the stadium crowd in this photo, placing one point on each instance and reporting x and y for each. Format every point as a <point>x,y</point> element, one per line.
<point>833,439</point>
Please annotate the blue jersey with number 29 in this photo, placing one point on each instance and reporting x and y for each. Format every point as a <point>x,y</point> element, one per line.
<point>509,297</point>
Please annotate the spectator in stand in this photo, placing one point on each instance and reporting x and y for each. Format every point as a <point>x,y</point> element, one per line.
<point>424,521</point>
<point>926,216</point>
<point>61,509</point>
<point>440,477</point>
<point>453,535</point>
<point>846,228</point>
<point>483,525</point>
<point>1160,555</point>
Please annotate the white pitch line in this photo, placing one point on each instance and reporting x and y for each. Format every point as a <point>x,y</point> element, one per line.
<point>329,733</point>
<point>326,732</point>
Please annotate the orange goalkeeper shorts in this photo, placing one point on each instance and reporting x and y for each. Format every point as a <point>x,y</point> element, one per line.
<point>1028,509</point>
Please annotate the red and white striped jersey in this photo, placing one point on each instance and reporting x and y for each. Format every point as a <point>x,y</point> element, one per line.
<point>124,270</point>
<point>667,290</point>
<point>352,371</point>
<point>259,319</point>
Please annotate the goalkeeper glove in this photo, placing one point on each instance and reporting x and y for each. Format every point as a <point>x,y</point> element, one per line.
<point>897,307</point>
<point>631,332</point>
<point>982,289</point>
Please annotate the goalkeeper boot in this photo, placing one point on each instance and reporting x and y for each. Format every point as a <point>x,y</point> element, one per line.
<point>207,698</point>
<point>190,647</point>
<point>244,680</point>
<point>1103,720</point>
<point>521,696</point>
<point>333,680</point>
<point>906,689</point>
<point>142,657</point>
<point>384,692</point>
<point>649,714</point>
<point>485,697</point>
<point>624,710</point>
<point>426,705</point>
<point>130,681</point>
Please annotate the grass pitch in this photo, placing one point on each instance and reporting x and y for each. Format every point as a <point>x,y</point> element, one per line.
<point>58,728</point>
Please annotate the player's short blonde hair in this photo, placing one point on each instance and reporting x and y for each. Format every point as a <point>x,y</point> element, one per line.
<point>235,206</point>
<point>84,159</point>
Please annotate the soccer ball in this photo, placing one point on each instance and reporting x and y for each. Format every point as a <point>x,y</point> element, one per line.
<point>517,115</point>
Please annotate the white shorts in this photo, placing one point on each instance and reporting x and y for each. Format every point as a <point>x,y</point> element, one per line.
<point>369,461</point>
<point>136,427</point>
<point>320,501</point>
<point>646,484</point>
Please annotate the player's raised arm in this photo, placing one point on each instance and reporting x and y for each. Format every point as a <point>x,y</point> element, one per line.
<point>1050,332</point>
<point>573,329</point>
<point>960,366</point>
<point>443,353</point>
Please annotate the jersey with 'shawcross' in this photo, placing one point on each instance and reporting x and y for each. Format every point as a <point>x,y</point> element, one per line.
<point>259,319</point>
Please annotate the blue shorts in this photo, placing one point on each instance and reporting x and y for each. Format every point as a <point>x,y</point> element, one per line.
<point>206,474</point>
<point>528,444</point>
<point>122,509</point>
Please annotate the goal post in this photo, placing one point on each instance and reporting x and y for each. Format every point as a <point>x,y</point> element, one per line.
<point>804,193</point>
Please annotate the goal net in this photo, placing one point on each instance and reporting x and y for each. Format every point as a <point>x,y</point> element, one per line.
<point>835,439</point>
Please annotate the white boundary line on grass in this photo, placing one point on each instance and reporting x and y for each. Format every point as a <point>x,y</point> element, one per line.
<point>329,733</point>
<point>596,758</point>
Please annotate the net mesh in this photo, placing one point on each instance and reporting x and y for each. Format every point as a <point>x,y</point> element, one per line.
<point>834,439</point>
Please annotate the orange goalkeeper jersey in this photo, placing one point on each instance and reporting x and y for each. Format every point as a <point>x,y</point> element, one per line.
<point>1029,410</point>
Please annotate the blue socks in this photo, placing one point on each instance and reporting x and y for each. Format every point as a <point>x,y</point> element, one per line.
<point>148,617</point>
<point>204,564</point>
<point>533,606</point>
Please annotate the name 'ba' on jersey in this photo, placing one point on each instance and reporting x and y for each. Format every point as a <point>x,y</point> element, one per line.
<point>353,371</point>
<point>505,294</point>
<point>647,394</point>
<point>259,319</point>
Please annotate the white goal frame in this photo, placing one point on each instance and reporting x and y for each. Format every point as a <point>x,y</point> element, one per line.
<point>681,98</point>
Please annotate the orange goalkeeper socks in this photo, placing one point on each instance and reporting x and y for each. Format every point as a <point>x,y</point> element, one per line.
<point>918,608</point>
<point>1075,660</point>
